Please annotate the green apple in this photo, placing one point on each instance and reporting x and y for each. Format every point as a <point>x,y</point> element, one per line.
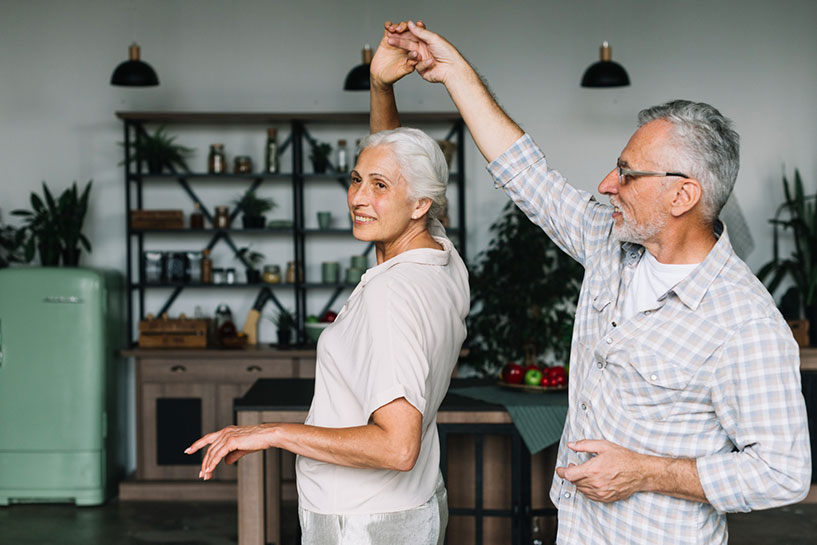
<point>533,377</point>
<point>311,319</point>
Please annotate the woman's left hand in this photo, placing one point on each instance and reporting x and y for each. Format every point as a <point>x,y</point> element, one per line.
<point>229,444</point>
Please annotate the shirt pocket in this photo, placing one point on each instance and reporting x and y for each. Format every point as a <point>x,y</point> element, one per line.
<point>651,384</point>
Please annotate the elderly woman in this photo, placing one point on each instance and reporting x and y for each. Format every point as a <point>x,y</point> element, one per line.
<point>368,453</point>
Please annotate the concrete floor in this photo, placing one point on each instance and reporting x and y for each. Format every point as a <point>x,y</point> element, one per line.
<point>165,523</point>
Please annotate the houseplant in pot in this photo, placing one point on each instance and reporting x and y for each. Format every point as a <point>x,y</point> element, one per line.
<point>284,322</point>
<point>160,152</point>
<point>523,298</point>
<point>253,209</point>
<point>11,245</point>
<point>252,261</point>
<point>319,155</point>
<point>797,214</point>
<point>53,227</point>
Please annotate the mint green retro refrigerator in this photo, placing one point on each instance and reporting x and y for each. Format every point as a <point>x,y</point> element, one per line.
<point>60,334</point>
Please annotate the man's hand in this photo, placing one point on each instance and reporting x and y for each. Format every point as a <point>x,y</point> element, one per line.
<point>614,473</point>
<point>435,58</point>
<point>391,63</point>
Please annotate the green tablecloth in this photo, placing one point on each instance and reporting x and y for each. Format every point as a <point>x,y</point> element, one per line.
<point>539,417</point>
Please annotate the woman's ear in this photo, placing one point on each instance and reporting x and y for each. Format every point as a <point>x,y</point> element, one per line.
<point>687,195</point>
<point>421,208</point>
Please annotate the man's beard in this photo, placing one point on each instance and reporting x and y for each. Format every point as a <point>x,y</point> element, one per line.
<point>628,231</point>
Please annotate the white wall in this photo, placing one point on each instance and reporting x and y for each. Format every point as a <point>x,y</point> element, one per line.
<point>751,58</point>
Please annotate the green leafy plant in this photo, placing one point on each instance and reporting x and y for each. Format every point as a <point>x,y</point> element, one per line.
<point>11,245</point>
<point>54,226</point>
<point>523,297</point>
<point>797,213</point>
<point>160,152</point>
<point>252,205</point>
<point>319,155</point>
<point>284,320</point>
<point>249,257</point>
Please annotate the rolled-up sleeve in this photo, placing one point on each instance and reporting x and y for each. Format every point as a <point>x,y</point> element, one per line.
<point>757,396</point>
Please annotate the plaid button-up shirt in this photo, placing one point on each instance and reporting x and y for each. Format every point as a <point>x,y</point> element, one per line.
<point>711,373</point>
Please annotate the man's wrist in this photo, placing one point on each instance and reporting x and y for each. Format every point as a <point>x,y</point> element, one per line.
<point>380,87</point>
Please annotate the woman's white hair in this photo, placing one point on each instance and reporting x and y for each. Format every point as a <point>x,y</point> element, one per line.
<point>422,164</point>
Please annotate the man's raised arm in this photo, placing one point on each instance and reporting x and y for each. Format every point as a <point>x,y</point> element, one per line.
<point>438,61</point>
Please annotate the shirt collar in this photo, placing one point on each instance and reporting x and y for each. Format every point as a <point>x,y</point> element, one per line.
<point>422,256</point>
<point>691,290</point>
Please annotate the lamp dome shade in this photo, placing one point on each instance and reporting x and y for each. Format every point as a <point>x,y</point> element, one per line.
<point>358,77</point>
<point>606,72</point>
<point>134,72</point>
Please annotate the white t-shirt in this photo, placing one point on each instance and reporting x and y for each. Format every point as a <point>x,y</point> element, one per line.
<point>650,281</point>
<point>398,335</point>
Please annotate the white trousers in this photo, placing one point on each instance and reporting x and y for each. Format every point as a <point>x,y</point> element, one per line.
<point>423,525</point>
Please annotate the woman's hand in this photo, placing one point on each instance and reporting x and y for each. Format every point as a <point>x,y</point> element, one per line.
<point>391,63</point>
<point>435,59</point>
<point>230,444</point>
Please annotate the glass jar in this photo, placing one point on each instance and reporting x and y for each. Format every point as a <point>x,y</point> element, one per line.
<point>196,217</point>
<point>229,276</point>
<point>342,157</point>
<point>216,162</point>
<point>222,219</point>
<point>219,276</point>
<point>272,274</point>
<point>271,152</point>
<point>242,164</point>
<point>293,272</point>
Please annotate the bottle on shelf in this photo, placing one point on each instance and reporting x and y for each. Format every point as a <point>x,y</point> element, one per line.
<point>357,150</point>
<point>342,157</point>
<point>271,165</point>
<point>206,267</point>
<point>216,162</point>
<point>196,217</point>
<point>222,219</point>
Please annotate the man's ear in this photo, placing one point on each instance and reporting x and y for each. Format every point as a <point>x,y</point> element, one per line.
<point>421,208</point>
<point>687,195</point>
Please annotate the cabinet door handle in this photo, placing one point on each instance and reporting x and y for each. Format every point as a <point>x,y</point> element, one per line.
<point>178,369</point>
<point>253,369</point>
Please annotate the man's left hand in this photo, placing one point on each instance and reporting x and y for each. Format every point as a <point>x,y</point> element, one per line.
<point>614,473</point>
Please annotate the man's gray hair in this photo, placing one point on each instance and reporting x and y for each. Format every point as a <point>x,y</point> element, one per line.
<point>709,148</point>
<point>421,162</point>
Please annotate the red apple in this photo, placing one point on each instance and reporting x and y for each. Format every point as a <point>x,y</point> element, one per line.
<point>513,373</point>
<point>329,316</point>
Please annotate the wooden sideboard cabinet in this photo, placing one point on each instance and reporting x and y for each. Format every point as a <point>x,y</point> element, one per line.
<point>182,394</point>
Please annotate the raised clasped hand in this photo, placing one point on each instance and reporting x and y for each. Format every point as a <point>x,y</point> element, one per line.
<point>613,474</point>
<point>391,63</point>
<point>433,57</point>
<point>229,444</point>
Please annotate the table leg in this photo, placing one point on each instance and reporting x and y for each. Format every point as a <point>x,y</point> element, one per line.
<point>272,463</point>
<point>250,491</point>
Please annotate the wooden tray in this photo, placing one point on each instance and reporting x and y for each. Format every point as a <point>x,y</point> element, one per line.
<point>532,389</point>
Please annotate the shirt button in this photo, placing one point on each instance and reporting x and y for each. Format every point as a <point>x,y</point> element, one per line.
<point>584,406</point>
<point>599,364</point>
<point>647,312</point>
<point>567,495</point>
<point>609,340</point>
<point>653,377</point>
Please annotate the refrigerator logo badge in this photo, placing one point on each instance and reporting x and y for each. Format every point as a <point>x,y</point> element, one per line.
<point>61,299</point>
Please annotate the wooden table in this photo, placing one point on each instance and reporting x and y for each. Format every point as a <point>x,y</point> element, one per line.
<point>288,400</point>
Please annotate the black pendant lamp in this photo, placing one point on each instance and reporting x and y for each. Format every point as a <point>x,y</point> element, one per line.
<point>133,72</point>
<point>605,73</point>
<point>358,77</point>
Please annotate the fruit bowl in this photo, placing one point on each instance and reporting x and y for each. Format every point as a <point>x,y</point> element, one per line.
<point>313,330</point>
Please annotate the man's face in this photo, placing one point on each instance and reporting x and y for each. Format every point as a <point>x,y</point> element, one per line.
<point>641,203</point>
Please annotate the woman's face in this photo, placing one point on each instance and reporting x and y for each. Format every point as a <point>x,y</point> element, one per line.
<point>378,197</point>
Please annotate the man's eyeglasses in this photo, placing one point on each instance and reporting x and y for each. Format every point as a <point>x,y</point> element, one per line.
<point>623,173</point>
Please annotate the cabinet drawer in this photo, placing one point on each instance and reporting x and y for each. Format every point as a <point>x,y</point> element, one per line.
<point>236,371</point>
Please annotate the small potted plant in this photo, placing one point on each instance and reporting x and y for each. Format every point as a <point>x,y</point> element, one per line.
<point>54,226</point>
<point>284,322</point>
<point>798,212</point>
<point>11,245</point>
<point>252,261</point>
<point>160,152</point>
<point>319,156</point>
<point>253,209</point>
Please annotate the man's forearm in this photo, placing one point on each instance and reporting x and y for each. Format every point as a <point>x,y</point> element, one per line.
<point>382,108</point>
<point>492,129</point>
<point>677,477</point>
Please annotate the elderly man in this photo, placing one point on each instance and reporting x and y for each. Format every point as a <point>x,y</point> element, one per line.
<point>685,399</point>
